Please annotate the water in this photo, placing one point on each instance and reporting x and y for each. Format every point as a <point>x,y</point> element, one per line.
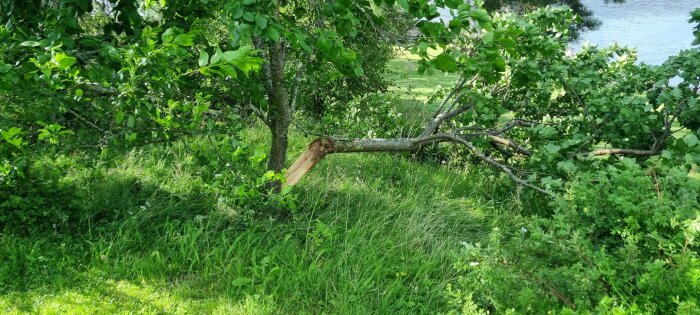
<point>657,28</point>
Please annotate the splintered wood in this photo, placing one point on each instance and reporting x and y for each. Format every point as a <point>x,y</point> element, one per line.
<point>314,153</point>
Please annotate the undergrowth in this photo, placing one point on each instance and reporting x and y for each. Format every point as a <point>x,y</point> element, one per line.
<point>369,234</point>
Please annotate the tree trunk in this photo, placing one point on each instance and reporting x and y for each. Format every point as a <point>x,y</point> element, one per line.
<point>278,146</point>
<point>279,113</point>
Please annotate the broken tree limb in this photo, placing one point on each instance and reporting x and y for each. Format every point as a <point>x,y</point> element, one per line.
<point>306,161</point>
<point>319,148</point>
<point>634,152</point>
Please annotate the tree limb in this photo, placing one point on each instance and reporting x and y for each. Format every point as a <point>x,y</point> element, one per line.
<point>634,152</point>
<point>319,148</point>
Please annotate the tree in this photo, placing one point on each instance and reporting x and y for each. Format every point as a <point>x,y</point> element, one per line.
<point>587,20</point>
<point>297,36</point>
<point>526,108</point>
<point>141,72</point>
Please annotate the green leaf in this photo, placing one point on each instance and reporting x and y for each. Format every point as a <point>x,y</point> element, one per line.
<point>479,15</point>
<point>488,38</point>
<point>229,70</point>
<point>453,4</point>
<point>445,62</point>
<point>499,64</point>
<point>131,122</point>
<point>403,4</point>
<point>184,40</point>
<point>552,148</point>
<point>301,39</point>
<point>274,34</point>
<point>64,61</point>
<point>233,55</point>
<point>691,140</point>
<point>79,93</point>
<point>168,35</point>
<point>12,136</point>
<point>217,56</point>
<point>11,133</point>
<point>203,58</point>
<point>205,71</point>
<point>359,71</point>
<point>5,68</point>
<point>119,117</point>
<point>507,43</point>
<point>260,22</point>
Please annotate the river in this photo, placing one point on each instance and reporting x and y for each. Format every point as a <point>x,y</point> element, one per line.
<point>657,28</point>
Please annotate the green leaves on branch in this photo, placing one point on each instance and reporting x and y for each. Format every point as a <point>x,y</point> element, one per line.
<point>63,61</point>
<point>695,18</point>
<point>13,136</point>
<point>52,133</point>
<point>226,63</point>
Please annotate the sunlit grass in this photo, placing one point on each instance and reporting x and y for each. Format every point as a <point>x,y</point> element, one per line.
<point>371,234</point>
<point>414,86</point>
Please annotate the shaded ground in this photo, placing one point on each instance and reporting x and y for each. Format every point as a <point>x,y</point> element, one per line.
<point>372,233</point>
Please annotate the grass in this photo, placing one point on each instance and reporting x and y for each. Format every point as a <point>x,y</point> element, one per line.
<point>416,90</point>
<point>371,233</point>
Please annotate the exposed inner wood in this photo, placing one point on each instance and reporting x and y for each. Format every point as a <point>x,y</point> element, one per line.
<point>314,153</point>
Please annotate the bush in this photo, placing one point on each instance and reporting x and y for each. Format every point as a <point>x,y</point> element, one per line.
<point>38,199</point>
<point>372,116</point>
<point>622,240</point>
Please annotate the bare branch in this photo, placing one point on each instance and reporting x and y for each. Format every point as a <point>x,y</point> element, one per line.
<point>98,88</point>
<point>434,124</point>
<point>321,147</point>
<point>502,167</point>
<point>83,119</point>
<point>295,92</point>
<point>258,113</point>
<point>510,143</point>
<point>634,152</point>
<point>449,96</point>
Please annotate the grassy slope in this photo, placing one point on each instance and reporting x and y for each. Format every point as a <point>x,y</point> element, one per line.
<point>373,233</point>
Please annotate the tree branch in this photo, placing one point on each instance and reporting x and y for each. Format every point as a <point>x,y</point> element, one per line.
<point>634,152</point>
<point>319,148</point>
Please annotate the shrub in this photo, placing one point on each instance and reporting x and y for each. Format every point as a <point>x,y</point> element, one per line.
<point>37,199</point>
<point>622,240</point>
<point>372,115</point>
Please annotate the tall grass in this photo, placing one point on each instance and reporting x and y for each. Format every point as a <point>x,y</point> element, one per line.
<point>371,234</point>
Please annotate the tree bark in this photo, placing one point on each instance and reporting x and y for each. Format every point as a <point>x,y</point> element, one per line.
<point>319,148</point>
<point>279,115</point>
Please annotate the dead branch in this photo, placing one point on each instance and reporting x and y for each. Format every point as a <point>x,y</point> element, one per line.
<point>634,152</point>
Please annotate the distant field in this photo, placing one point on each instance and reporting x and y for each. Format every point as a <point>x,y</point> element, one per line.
<point>415,89</point>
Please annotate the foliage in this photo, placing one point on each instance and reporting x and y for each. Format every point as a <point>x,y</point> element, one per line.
<point>585,22</point>
<point>621,238</point>
<point>115,73</point>
<point>371,116</point>
<point>323,87</point>
<point>546,114</point>
<point>613,143</point>
<point>11,154</point>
